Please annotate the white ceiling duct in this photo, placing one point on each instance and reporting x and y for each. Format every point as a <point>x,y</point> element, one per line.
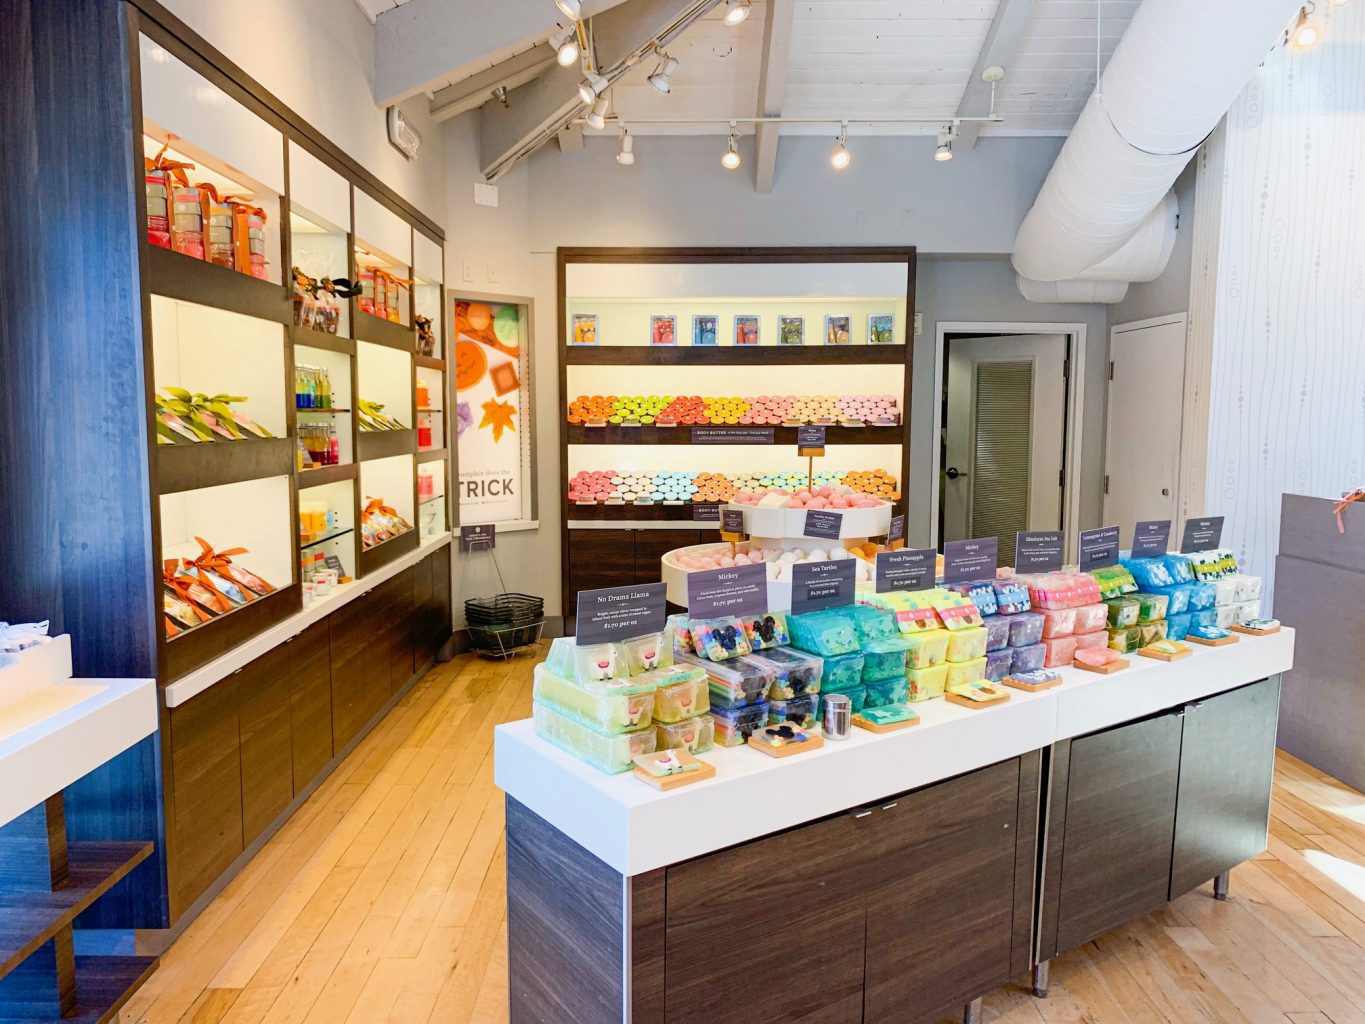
<point>1105,215</point>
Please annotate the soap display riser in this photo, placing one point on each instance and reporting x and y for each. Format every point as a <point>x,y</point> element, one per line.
<point>791,522</point>
<point>779,591</point>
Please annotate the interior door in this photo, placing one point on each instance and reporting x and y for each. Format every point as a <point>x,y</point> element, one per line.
<point>1142,443</point>
<point>1004,436</point>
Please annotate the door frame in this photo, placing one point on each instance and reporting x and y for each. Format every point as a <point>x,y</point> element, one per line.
<point>1183,319</point>
<point>1075,380</point>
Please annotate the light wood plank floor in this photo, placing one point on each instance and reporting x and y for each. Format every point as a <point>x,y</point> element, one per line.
<point>383,900</point>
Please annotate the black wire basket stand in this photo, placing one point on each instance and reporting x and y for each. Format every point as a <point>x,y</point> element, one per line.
<point>506,624</point>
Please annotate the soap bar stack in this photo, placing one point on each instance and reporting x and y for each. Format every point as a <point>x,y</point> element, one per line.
<point>1071,617</point>
<point>601,702</point>
<point>866,656</point>
<point>1203,589</point>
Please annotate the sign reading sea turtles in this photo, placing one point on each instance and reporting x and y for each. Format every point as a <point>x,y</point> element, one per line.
<point>817,585</point>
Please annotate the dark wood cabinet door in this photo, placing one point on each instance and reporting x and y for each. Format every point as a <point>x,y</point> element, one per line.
<point>939,895</point>
<point>422,625</point>
<point>360,666</point>
<point>442,594</point>
<point>310,703</point>
<point>206,793</point>
<point>770,931</point>
<point>1120,820</point>
<point>597,559</point>
<point>267,753</point>
<point>1227,763</point>
<point>652,545</point>
<point>397,624</point>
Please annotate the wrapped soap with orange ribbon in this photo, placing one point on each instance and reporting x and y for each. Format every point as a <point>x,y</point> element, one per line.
<point>187,602</point>
<point>162,174</point>
<point>380,522</point>
<point>219,565</point>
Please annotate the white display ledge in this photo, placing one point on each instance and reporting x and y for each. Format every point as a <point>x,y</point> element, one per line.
<point>201,679</point>
<point>634,828</point>
<point>65,728</point>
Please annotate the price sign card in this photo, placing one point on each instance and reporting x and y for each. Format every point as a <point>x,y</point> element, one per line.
<point>1151,538</point>
<point>810,440</point>
<point>619,613</point>
<point>1038,551</point>
<point>823,522</point>
<point>897,530</point>
<point>967,560</point>
<point>907,569</point>
<point>817,585</point>
<point>741,590</point>
<point>732,435</point>
<point>1099,548</point>
<point>1202,534</point>
<point>483,537</point>
<point>732,520</point>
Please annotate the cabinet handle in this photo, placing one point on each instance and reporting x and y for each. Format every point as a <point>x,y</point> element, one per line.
<point>893,803</point>
<point>862,814</point>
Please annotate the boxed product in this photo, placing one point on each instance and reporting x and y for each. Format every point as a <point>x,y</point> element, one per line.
<point>884,659</point>
<point>605,752</point>
<point>842,670</point>
<point>927,648</point>
<point>998,664</point>
<point>1059,622</point>
<point>997,632</point>
<point>677,627</point>
<point>967,644</point>
<point>1026,628</point>
<point>963,672</point>
<point>794,673</point>
<point>927,683</point>
<point>885,692</point>
<point>720,639</point>
<point>644,653</point>
<point>1028,659</point>
<point>857,695</point>
<point>766,631</point>
<point>733,683</point>
<point>802,711</point>
<point>1123,612</point>
<point>733,726</point>
<point>825,633</point>
<point>1060,650</point>
<point>613,706</point>
<point>695,735</point>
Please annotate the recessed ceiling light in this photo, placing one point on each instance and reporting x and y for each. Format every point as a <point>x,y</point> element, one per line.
<point>736,11</point>
<point>566,46</point>
<point>627,155</point>
<point>597,116</point>
<point>660,78</point>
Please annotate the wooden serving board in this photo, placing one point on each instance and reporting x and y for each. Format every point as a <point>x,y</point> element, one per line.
<point>1254,632</point>
<point>863,723</point>
<point>1223,641</point>
<point>1031,687</point>
<point>975,705</point>
<point>1117,665</point>
<point>1147,652</point>
<point>667,782</point>
<point>814,741</point>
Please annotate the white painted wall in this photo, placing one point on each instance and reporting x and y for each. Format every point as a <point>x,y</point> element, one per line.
<point>1287,401</point>
<point>318,58</point>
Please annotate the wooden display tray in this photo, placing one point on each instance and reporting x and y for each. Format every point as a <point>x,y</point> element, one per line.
<point>975,705</point>
<point>1105,670</point>
<point>1147,652</point>
<point>1254,632</point>
<point>1220,642</point>
<point>668,782</point>
<point>814,741</point>
<point>863,723</point>
<point>1031,687</point>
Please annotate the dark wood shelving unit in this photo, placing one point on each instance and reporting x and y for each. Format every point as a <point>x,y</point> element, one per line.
<point>615,434</point>
<point>432,455</point>
<point>187,467</point>
<point>734,355</point>
<point>309,338</point>
<point>390,550</point>
<point>630,513</point>
<point>200,645</point>
<point>327,475</point>
<point>370,328</point>
<point>178,276</point>
<point>383,444</point>
<point>431,363</point>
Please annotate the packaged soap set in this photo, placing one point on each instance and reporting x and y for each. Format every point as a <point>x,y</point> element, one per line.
<point>1201,589</point>
<point>193,220</point>
<point>607,703</point>
<point>866,657</point>
<point>198,590</point>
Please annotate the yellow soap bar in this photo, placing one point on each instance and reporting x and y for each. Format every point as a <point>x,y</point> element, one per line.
<point>928,683</point>
<point>961,673</point>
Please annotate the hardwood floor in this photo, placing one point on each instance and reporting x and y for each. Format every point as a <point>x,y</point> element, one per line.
<point>382,900</point>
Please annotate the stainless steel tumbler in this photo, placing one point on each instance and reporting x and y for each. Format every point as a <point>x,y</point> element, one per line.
<point>838,716</point>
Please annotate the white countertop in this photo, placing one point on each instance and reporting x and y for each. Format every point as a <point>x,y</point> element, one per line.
<point>635,828</point>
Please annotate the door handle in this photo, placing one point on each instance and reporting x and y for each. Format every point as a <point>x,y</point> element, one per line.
<point>1165,492</point>
<point>952,473</point>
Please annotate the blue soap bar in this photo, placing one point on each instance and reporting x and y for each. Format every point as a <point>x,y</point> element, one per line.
<point>842,670</point>
<point>1202,596</point>
<point>1206,632</point>
<point>823,633</point>
<point>1028,659</point>
<point>998,664</point>
<point>1178,626</point>
<point>1177,597</point>
<point>870,623</point>
<point>1204,617</point>
<point>1180,567</point>
<point>1010,596</point>
<point>997,632</point>
<point>885,692</point>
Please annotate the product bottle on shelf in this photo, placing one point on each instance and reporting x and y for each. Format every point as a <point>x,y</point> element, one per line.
<point>187,225</point>
<point>424,432</point>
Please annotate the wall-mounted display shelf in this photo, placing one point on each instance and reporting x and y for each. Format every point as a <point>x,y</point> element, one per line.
<point>653,340</point>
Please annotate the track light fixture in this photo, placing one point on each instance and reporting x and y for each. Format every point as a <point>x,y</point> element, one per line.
<point>565,43</point>
<point>1306,32</point>
<point>841,157</point>
<point>730,160</point>
<point>944,151</point>
<point>660,78</point>
<point>592,87</point>
<point>597,116</point>
<point>736,11</point>
<point>571,9</point>
<point>626,157</point>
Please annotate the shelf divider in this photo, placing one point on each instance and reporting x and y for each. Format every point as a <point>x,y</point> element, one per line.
<point>734,355</point>
<point>382,444</point>
<point>178,276</point>
<point>187,467</point>
<point>327,475</point>
<point>367,327</point>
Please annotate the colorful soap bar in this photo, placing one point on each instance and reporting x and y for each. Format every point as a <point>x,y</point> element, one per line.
<point>980,592</point>
<point>889,714</point>
<point>677,627</point>
<point>1097,657</point>
<point>955,611</point>
<point>1204,617</point>
<point>1123,612</point>
<point>802,711</point>
<point>1026,628</point>
<point>1225,615</point>
<point>1114,580</point>
<point>1149,573</point>
<point>824,633</point>
<point>961,673</point>
<point>886,692</point>
<point>1248,611</point>
<point>605,752</point>
<point>732,683</point>
<point>696,735</point>
<point>997,632</point>
<point>1248,587</point>
<point>766,631</point>
<point>1027,659</point>
<point>927,683</point>
<point>1179,566</point>
<point>913,611</point>
<point>927,648</point>
<point>597,663</point>
<point>1152,631</point>
<point>1059,622</point>
<point>720,639</point>
<point>1204,633</point>
<point>1167,647</point>
<point>870,623</point>
<point>645,653</point>
<point>1095,638</point>
<point>967,644</point>
<point>675,701</point>
<point>857,696</point>
<point>1224,591</point>
<point>1177,597</point>
<point>1090,617</point>
<point>1038,677</point>
<point>794,673</point>
<point>1178,626</point>
<point>734,726</point>
<point>611,707</point>
<point>1061,589</point>
<point>1151,607</point>
<point>1125,639</point>
<point>842,670</point>
<point>1010,596</point>
<point>1060,651</point>
<point>884,659</point>
<point>998,664</point>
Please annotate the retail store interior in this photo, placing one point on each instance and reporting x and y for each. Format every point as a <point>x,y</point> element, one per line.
<point>522,511</point>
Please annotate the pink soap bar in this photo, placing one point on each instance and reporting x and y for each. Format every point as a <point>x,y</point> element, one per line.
<point>1090,617</point>
<point>1096,657</point>
<point>1059,622</point>
<point>1097,638</point>
<point>1061,650</point>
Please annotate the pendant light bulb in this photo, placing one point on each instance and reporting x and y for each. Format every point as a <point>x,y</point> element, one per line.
<point>731,161</point>
<point>841,157</point>
<point>626,157</point>
<point>660,78</point>
<point>566,46</point>
<point>571,9</point>
<point>736,11</point>
<point>1306,33</point>
<point>597,116</point>
<point>592,87</point>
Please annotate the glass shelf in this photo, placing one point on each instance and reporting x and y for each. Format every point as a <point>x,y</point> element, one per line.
<point>325,538</point>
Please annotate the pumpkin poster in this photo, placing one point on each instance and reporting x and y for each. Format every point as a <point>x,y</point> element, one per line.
<point>491,432</point>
